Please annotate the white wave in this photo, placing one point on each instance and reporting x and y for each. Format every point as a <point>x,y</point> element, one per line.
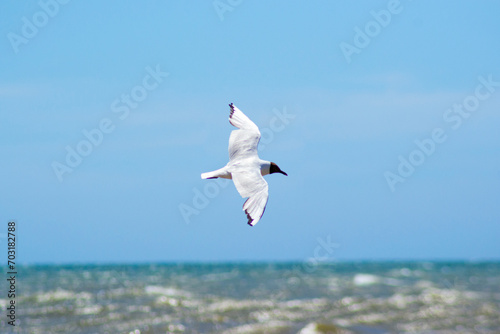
<point>401,301</point>
<point>167,291</point>
<point>165,300</point>
<point>365,279</point>
<point>60,295</point>
<point>91,309</point>
<point>315,328</point>
<point>369,279</point>
<point>3,303</point>
<point>268,327</point>
<point>432,296</point>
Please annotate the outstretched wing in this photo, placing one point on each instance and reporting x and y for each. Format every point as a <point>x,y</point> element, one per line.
<point>251,184</point>
<point>238,119</point>
<point>242,143</point>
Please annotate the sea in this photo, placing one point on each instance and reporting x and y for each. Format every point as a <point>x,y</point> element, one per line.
<point>301,297</point>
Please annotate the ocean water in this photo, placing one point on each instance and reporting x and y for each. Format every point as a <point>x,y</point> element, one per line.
<point>376,298</point>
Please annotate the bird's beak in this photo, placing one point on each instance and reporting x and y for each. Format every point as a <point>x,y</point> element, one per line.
<point>282,172</point>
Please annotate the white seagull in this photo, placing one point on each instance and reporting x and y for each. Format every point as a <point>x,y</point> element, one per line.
<point>245,167</point>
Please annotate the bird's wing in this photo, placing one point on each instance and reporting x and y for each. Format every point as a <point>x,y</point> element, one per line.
<point>251,184</point>
<point>242,143</point>
<point>238,119</point>
<point>244,158</point>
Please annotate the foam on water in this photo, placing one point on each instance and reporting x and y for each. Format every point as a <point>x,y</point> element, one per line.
<point>365,279</point>
<point>167,291</point>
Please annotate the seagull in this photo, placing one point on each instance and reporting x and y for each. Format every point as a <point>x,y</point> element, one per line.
<point>245,167</point>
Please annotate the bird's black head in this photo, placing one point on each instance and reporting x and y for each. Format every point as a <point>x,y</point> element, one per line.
<point>275,169</point>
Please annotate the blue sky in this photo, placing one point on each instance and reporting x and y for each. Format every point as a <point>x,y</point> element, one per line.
<point>392,147</point>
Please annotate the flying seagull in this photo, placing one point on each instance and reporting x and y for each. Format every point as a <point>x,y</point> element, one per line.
<point>245,167</point>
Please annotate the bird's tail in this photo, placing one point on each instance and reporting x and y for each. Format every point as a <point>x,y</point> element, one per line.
<point>217,173</point>
<point>208,175</point>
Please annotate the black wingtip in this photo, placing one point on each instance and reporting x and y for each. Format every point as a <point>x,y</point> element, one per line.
<point>250,219</point>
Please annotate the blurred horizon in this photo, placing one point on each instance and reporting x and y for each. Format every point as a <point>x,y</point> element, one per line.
<point>262,262</point>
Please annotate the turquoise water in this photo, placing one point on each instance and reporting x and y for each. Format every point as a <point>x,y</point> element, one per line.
<point>396,297</point>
